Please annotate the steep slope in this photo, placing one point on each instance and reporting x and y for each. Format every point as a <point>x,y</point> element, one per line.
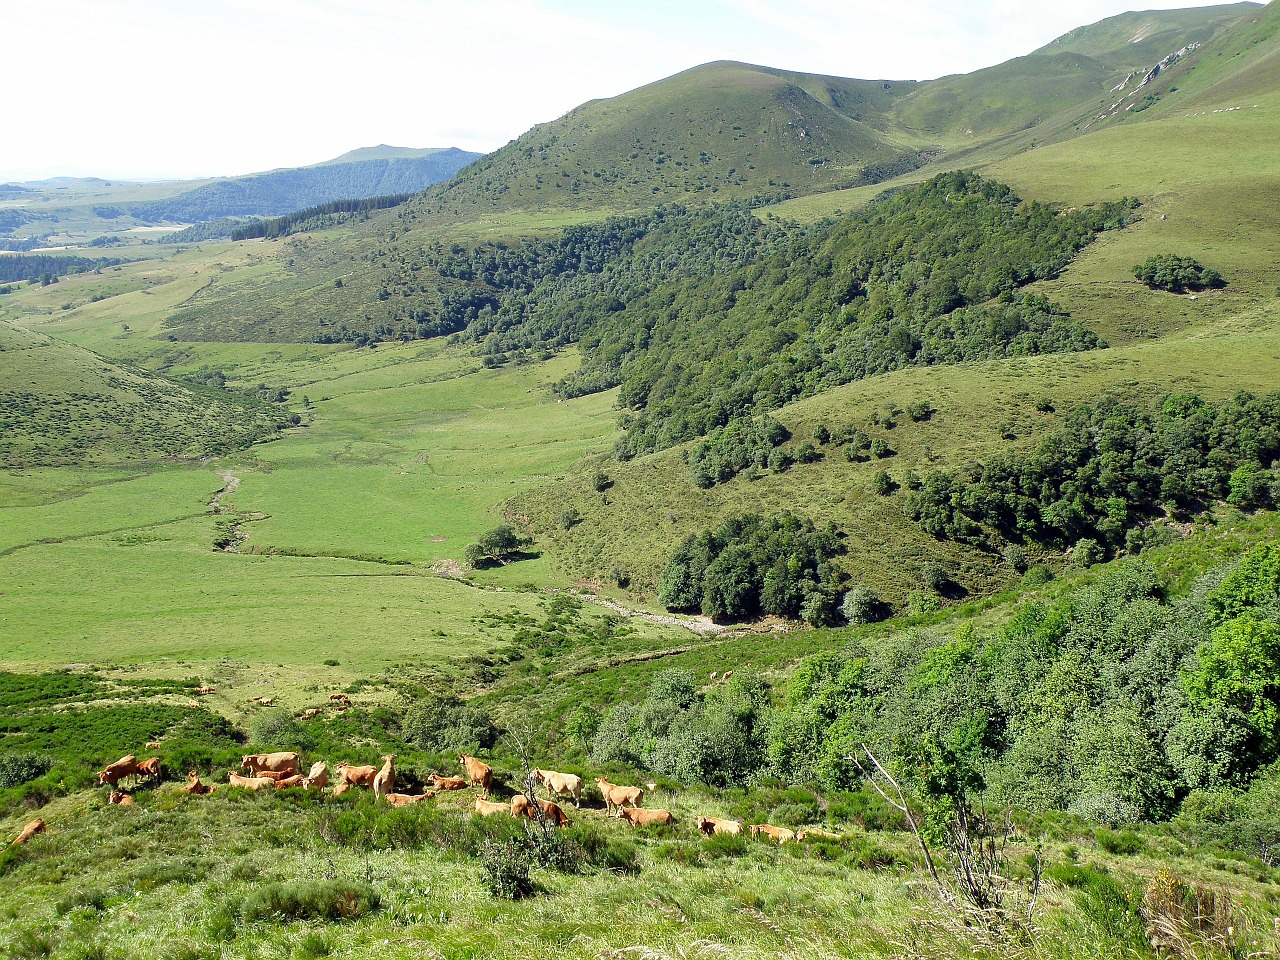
<point>284,191</point>
<point>1055,90</point>
<point>719,130</point>
<point>60,404</point>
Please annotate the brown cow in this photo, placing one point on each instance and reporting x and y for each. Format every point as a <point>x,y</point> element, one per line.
<point>249,783</point>
<point>489,808</point>
<point>204,691</point>
<point>407,799</point>
<point>152,744</point>
<point>29,831</point>
<point>618,796</point>
<point>447,783</point>
<point>643,818</point>
<point>194,786</point>
<point>256,763</point>
<point>341,787</point>
<point>803,835</point>
<point>149,768</point>
<point>309,713</point>
<point>521,807</point>
<point>317,776</point>
<point>356,776</point>
<point>561,784</point>
<point>710,825</point>
<point>120,798</point>
<point>384,781</point>
<point>113,773</point>
<point>479,774</point>
<point>276,775</point>
<point>295,781</point>
<point>780,834</point>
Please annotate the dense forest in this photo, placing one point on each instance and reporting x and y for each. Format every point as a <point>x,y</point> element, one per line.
<point>1107,471</point>
<point>314,218</point>
<point>39,267</point>
<point>708,315</point>
<point>1116,702</point>
<point>283,191</point>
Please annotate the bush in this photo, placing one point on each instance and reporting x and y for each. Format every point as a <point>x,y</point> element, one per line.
<point>19,768</point>
<point>720,845</point>
<point>934,576</point>
<point>506,870</point>
<point>445,724</point>
<point>882,483</point>
<point>862,605</point>
<point>1015,557</point>
<point>1086,553</point>
<point>310,900</point>
<point>1123,843</point>
<point>1176,274</point>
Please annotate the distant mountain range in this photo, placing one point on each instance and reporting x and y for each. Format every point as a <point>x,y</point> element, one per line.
<point>366,172</point>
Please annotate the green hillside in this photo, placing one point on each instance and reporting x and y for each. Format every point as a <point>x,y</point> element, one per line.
<point>63,405</point>
<point>720,130</point>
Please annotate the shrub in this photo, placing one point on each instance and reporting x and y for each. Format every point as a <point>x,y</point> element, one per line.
<point>19,768</point>
<point>724,845</point>
<point>310,900</point>
<point>445,724</point>
<point>1167,271</point>
<point>600,482</point>
<point>1037,576</point>
<point>506,870</point>
<point>862,605</point>
<point>880,449</point>
<point>934,576</point>
<point>1086,553</point>
<point>1015,557</point>
<point>1123,843</point>
<point>882,483</point>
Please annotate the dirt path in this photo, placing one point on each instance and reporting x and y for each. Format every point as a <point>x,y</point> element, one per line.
<point>703,626</point>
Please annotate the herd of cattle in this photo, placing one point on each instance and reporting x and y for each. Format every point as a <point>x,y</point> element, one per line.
<point>281,770</point>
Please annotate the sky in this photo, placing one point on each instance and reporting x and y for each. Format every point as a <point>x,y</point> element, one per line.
<point>150,89</point>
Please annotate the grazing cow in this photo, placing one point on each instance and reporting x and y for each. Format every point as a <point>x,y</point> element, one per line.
<point>29,831</point>
<point>618,796</point>
<point>341,699</point>
<point>204,691</point>
<point>489,808</point>
<point>309,713</point>
<point>195,787</point>
<point>258,763</point>
<point>275,774</point>
<point>803,835</point>
<point>249,783</point>
<point>120,798</point>
<point>295,781</point>
<point>408,799</point>
<point>710,825</point>
<point>149,768</point>
<point>447,783</point>
<point>643,818</point>
<point>780,834</point>
<point>521,807</point>
<point>384,781</point>
<point>560,784</point>
<point>113,773</point>
<point>317,776</point>
<point>356,776</point>
<point>341,787</point>
<point>479,774</point>
<point>193,704</point>
<point>153,745</point>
